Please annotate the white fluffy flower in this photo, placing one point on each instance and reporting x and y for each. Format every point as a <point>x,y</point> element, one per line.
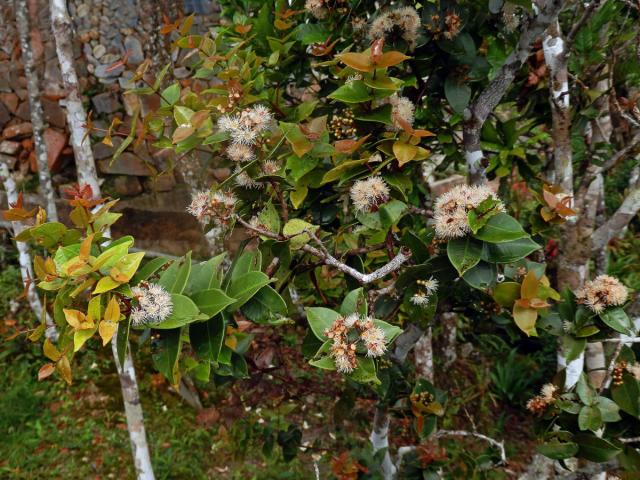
<point>374,341</point>
<point>451,209</point>
<point>404,19</point>
<point>154,305</point>
<point>420,299</point>
<point>199,205</point>
<point>602,292</point>
<point>369,193</point>
<point>240,153</point>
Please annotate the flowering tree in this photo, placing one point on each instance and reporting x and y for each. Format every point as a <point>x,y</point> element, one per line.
<point>334,118</point>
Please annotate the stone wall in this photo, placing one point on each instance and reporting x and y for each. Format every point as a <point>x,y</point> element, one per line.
<point>106,32</point>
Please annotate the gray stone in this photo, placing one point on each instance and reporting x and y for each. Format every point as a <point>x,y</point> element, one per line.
<point>82,10</point>
<point>8,160</point>
<point>106,102</point>
<point>133,47</point>
<point>126,164</point>
<point>161,183</point>
<point>105,71</point>
<point>181,72</point>
<point>53,113</point>
<point>102,151</point>
<point>5,115</point>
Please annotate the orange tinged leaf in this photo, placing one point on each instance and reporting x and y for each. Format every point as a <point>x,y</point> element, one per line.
<point>107,330</point>
<point>50,351</point>
<point>112,313</point>
<point>404,152</point>
<point>46,370</point>
<point>282,25</point>
<point>182,133</point>
<point>243,29</point>
<point>85,247</point>
<point>349,145</point>
<point>357,61</point>
<point>529,288</point>
<point>389,59</point>
<point>64,369</point>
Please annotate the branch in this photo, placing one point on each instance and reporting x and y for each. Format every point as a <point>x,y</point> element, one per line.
<point>594,170</point>
<point>477,113</point>
<point>618,221</point>
<point>323,254</point>
<point>580,23</point>
<point>465,433</point>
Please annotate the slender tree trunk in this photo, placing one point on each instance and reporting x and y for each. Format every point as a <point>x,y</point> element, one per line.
<point>423,356</point>
<point>380,439</point>
<point>87,175</point>
<point>35,108</point>
<point>24,256</point>
<point>76,115</point>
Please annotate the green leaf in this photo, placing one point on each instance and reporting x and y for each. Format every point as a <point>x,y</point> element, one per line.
<point>509,252</point>
<point>264,305</point>
<point>594,448</point>
<point>122,339</point>
<point>320,319</point>
<point>351,92</point>
<point>391,213</point>
<point>325,363</point>
<point>573,347</point>
<point>354,302</point>
<point>609,410</point>
<point>244,287</point>
<point>585,392</point>
<point>166,354</point>
<point>170,95</point>
<point>482,276</point>
<point>81,336</point>
<point>212,301</point>
<point>380,115</point>
<point>525,319</point>
<point>205,275</point>
<point>558,450</point>
<point>365,371</point>
<point>506,293</point>
<point>207,338</point>
<point>295,228</point>
<point>589,418</point>
<point>391,332</point>
<point>174,279</point>
<point>184,311</point>
<point>501,228</point>
<point>464,253</point>
<point>148,269</point>
<point>618,320</point>
<point>458,94</point>
<point>627,395</point>
<point>270,218</point>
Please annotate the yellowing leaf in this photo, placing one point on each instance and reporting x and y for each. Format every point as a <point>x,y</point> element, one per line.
<point>64,368</point>
<point>50,350</point>
<point>282,25</point>
<point>529,287</point>
<point>107,329</point>
<point>357,61</point>
<point>349,145</point>
<point>75,318</point>
<point>182,132</point>
<point>85,247</point>
<point>112,313</point>
<point>404,152</point>
<point>525,318</point>
<point>389,59</point>
<point>105,284</point>
<point>126,267</point>
<point>298,195</point>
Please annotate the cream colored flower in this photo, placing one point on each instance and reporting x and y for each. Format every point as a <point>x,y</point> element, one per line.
<point>154,305</point>
<point>405,19</point>
<point>602,292</point>
<point>369,193</point>
<point>451,209</point>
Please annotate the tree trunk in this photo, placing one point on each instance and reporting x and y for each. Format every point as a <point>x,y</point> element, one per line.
<point>380,439</point>
<point>24,257</point>
<point>35,108</point>
<point>423,356</point>
<point>87,175</point>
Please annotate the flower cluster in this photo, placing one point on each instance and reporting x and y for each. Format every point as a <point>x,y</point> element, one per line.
<point>245,128</point>
<point>451,209</point>
<point>341,125</point>
<point>621,367</point>
<point>346,333</point>
<point>154,305</point>
<point>404,20</point>
<point>368,193</point>
<point>540,402</point>
<point>316,8</point>
<point>602,292</point>
<point>402,111</point>
<point>207,207</point>
<point>423,295</point>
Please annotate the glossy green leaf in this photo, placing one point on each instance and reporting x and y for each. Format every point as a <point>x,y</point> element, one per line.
<point>464,253</point>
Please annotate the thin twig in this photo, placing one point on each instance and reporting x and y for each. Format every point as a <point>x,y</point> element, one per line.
<point>612,365</point>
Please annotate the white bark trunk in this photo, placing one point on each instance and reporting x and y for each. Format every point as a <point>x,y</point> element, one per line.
<point>24,257</point>
<point>35,109</point>
<point>133,411</point>
<point>87,175</point>
<point>76,115</point>
<point>380,439</point>
<point>423,356</point>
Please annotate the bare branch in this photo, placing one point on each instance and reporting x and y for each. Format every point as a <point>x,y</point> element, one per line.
<point>479,110</point>
<point>618,221</point>
<point>465,433</point>
<point>612,162</point>
<point>323,254</point>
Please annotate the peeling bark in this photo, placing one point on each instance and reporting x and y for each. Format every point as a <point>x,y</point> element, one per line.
<point>76,115</point>
<point>35,109</point>
<point>480,109</point>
